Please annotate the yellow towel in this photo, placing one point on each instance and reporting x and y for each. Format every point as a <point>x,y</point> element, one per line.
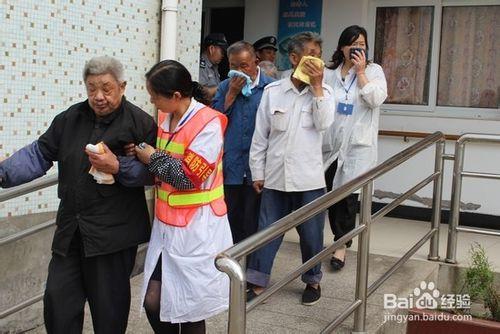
<point>100,177</point>
<point>300,75</point>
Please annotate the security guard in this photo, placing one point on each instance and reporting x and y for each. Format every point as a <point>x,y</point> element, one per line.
<point>266,48</point>
<point>214,46</point>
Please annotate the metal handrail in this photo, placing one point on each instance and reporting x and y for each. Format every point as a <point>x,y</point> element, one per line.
<point>27,188</point>
<point>227,261</point>
<point>290,221</point>
<point>14,192</point>
<point>35,299</point>
<point>412,134</point>
<point>26,232</point>
<point>456,191</point>
<point>21,190</point>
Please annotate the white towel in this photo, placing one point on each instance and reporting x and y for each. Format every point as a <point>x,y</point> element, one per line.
<point>100,177</point>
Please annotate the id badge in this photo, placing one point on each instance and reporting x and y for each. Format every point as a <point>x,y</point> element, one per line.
<point>345,108</point>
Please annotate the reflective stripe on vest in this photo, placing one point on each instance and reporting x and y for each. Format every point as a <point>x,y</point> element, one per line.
<point>179,199</point>
<point>188,199</point>
<point>173,147</point>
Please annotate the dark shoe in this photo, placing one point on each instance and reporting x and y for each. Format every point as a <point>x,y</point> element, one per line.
<point>251,295</point>
<point>337,264</point>
<point>311,295</point>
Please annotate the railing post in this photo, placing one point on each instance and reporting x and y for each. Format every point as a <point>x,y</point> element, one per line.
<point>456,191</point>
<point>436,202</point>
<point>365,215</point>
<point>237,291</point>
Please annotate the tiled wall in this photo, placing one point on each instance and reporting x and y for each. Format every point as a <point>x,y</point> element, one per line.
<point>43,48</point>
<point>188,38</point>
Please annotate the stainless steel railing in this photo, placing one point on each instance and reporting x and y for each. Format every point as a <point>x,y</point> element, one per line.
<point>456,191</point>
<point>21,190</point>
<point>14,192</point>
<point>228,261</point>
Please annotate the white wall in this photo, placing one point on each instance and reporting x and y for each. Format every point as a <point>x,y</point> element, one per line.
<point>261,18</point>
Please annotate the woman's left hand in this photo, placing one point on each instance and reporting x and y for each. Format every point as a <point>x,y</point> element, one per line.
<point>144,152</point>
<point>359,61</point>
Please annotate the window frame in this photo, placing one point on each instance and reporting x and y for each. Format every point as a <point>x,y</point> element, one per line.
<point>431,109</point>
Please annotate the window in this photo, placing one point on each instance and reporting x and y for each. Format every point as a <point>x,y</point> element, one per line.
<point>402,47</point>
<point>469,64</point>
<point>439,58</point>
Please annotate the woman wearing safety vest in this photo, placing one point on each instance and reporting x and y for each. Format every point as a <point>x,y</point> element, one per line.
<point>350,145</point>
<point>182,287</point>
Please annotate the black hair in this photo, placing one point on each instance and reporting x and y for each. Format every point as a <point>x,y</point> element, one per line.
<point>347,37</point>
<point>170,76</point>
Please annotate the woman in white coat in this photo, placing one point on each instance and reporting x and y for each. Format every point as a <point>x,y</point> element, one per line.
<point>182,287</point>
<point>350,145</point>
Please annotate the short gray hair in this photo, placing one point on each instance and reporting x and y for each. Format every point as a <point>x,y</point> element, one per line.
<point>297,42</point>
<point>241,46</point>
<point>104,65</point>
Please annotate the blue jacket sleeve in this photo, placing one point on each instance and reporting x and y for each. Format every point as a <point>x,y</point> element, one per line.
<point>23,166</point>
<point>133,173</point>
<point>220,97</point>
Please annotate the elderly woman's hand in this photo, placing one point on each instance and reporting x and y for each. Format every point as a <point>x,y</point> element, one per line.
<point>106,162</point>
<point>144,152</point>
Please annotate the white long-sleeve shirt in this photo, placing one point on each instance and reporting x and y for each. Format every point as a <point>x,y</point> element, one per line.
<point>352,139</point>
<point>286,145</point>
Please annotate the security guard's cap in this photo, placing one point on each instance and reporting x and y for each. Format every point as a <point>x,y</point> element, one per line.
<point>217,39</point>
<point>265,42</point>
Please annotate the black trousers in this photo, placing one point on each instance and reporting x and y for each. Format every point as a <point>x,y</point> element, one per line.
<point>103,281</point>
<point>342,215</point>
<point>243,206</point>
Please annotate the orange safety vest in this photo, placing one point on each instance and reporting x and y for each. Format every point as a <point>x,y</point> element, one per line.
<point>177,207</point>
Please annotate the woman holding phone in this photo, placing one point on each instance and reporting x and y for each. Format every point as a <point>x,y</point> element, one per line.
<point>350,144</point>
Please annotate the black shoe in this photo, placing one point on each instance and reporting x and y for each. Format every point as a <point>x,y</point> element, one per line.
<point>251,295</point>
<point>311,295</point>
<point>337,264</point>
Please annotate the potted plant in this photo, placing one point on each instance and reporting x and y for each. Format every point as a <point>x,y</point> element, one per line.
<point>479,314</point>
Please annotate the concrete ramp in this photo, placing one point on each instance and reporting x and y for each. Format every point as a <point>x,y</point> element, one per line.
<point>283,312</point>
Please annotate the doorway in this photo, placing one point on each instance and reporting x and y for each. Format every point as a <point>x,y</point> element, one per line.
<point>226,20</point>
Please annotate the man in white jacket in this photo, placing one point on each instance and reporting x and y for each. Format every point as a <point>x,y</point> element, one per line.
<point>286,161</point>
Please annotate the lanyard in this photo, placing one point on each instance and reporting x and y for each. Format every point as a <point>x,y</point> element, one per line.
<point>184,120</point>
<point>348,89</point>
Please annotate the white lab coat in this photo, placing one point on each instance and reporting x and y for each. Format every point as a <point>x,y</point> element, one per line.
<point>192,289</point>
<point>352,139</point>
<point>286,145</point>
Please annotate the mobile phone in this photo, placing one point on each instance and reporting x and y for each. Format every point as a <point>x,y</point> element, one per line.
<point>353,50</point>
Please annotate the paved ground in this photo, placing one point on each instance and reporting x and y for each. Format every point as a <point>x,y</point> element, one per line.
<point>284,313</point>
<point>394,237</point>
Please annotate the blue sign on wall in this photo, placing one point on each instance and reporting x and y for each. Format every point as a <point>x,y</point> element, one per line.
<point>296,16</point>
